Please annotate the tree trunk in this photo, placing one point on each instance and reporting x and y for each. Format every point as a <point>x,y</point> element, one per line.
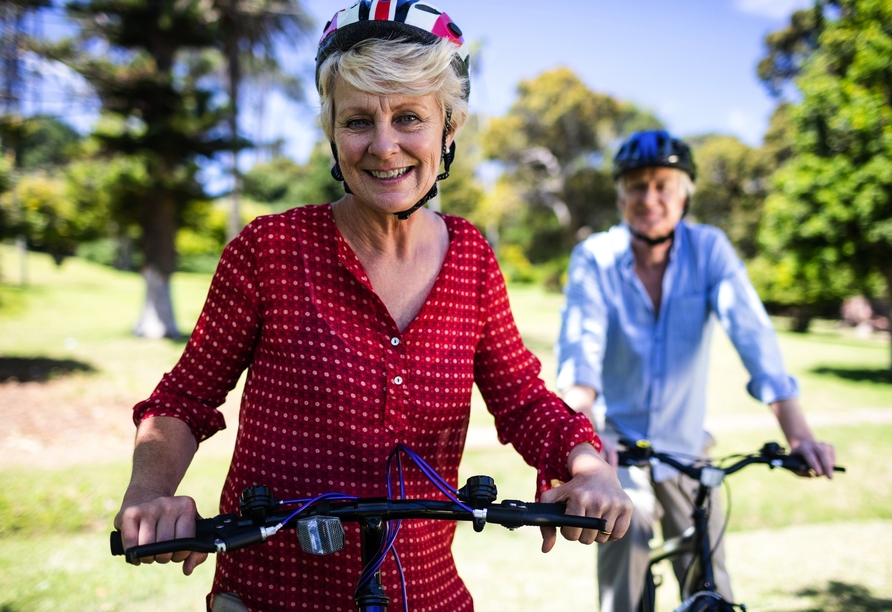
<point>157,319</point>
<point>887,273</point>
<point>801,321</point>
<point>234,225</point>
<point>159,234</point>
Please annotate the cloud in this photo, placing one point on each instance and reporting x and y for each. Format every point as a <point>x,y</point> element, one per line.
<point>773,9</point>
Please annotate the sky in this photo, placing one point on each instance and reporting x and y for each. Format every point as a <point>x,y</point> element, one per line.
<point>690,62</point>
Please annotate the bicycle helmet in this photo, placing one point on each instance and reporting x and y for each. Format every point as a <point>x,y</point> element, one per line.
<point>397,20</point>
<point>653,148</point>
<point>409,20</point>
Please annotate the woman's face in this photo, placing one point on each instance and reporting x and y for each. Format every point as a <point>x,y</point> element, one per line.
<point>389,147</point>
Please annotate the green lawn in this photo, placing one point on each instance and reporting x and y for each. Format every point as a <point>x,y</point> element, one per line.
<point>794,544</point>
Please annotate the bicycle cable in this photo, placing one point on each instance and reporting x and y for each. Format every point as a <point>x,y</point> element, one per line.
<point>390,531</point>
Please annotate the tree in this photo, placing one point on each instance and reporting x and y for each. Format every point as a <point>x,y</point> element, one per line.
<point>461,193</point>
<point>553,143</point>
<point>41,208</point>
<point>283,183</point>
<point>831,208</point>
<point>789,48</point>
<point>13,40</point>
<point>248,31</point>
<point>142,58</point>
<point>732,182</point>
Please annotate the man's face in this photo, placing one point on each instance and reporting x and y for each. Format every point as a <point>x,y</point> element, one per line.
<point>653,203</point>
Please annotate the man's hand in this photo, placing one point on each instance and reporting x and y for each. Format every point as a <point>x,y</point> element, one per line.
<point>594,491</point>
<point>820,456</point>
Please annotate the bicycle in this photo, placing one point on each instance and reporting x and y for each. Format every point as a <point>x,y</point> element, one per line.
<point>319,529</point>
<point>698,589</point>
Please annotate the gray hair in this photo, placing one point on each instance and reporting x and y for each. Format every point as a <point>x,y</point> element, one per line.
<point>395,67</point>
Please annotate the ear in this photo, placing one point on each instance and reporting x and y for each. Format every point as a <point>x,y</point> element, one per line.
<point>450,136</point>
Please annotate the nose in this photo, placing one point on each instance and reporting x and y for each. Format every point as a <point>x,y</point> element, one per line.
<point>384,141</point>
<point>653,196</point>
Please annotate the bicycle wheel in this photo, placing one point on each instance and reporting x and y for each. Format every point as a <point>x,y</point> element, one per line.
<point>706,601</point>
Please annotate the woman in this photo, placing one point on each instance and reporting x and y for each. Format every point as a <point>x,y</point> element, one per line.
<point>363,323</point>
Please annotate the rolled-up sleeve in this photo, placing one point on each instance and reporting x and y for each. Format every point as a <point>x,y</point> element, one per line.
<point>218,350</point>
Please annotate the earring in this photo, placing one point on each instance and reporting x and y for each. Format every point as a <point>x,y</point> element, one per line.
<point>336,173</point>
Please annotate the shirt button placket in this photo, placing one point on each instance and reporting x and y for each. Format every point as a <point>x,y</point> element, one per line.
<point>396,389</point>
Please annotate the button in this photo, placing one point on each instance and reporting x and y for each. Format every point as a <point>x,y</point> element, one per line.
<point>398,380</point>
<point>394,341</point>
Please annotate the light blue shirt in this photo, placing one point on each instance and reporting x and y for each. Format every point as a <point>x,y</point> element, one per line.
<point>651,371</point>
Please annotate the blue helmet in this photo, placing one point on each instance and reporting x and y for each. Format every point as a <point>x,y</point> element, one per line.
<point>653,148</point>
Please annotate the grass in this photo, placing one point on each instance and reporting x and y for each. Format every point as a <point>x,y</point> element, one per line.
<point>794,544</point>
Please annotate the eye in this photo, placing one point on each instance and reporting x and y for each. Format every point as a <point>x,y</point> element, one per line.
<point>407,118</point>
<point>355,123</point>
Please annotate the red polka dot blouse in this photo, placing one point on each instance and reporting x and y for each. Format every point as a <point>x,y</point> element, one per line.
<point>333,386</point>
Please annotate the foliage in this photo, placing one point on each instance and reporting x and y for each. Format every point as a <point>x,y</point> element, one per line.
<point>830,214</point>
<point>40,207</point>
<point>462,193</point>
<point>553,143</point>
<point>5,174</point>
<point>789,48</point>
<point>246,35</point>
<point>47,143</point>
<point>731,188</point>
<point>32,149</point>
<point>201,240</point>
<point>283,183</point>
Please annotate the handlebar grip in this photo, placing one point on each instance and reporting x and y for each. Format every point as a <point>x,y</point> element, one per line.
<point>796,463</point>
<point>116,543</point>
<point>541,515</point>
<point>159,548</point>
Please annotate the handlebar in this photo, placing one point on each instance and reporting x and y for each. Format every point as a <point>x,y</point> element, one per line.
<point>640,452</point>
<point>257,522</point>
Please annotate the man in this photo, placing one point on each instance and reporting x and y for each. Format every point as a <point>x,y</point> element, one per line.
<point>641,299</point>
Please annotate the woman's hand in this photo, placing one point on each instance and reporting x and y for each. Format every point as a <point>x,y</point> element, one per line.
<point>594,491</point>
<point>150,511</point>
<point>146,519</point>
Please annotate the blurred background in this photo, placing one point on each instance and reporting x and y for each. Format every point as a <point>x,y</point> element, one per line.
<point>138,136</point>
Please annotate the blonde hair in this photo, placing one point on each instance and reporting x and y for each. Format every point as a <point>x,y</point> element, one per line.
<point>686,186</point>
<point>395,67</point>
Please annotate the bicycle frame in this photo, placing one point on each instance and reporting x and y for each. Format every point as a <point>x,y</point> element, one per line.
<point>700,575</point>
<point>695,540</point>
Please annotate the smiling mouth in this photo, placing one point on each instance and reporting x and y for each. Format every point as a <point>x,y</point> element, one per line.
<point>389,174</point>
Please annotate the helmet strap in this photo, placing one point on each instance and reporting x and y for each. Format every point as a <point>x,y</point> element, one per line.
<point>336,173</point>
<point>653,241</point>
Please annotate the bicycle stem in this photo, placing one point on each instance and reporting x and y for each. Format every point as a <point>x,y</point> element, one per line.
<point>370,597</point>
